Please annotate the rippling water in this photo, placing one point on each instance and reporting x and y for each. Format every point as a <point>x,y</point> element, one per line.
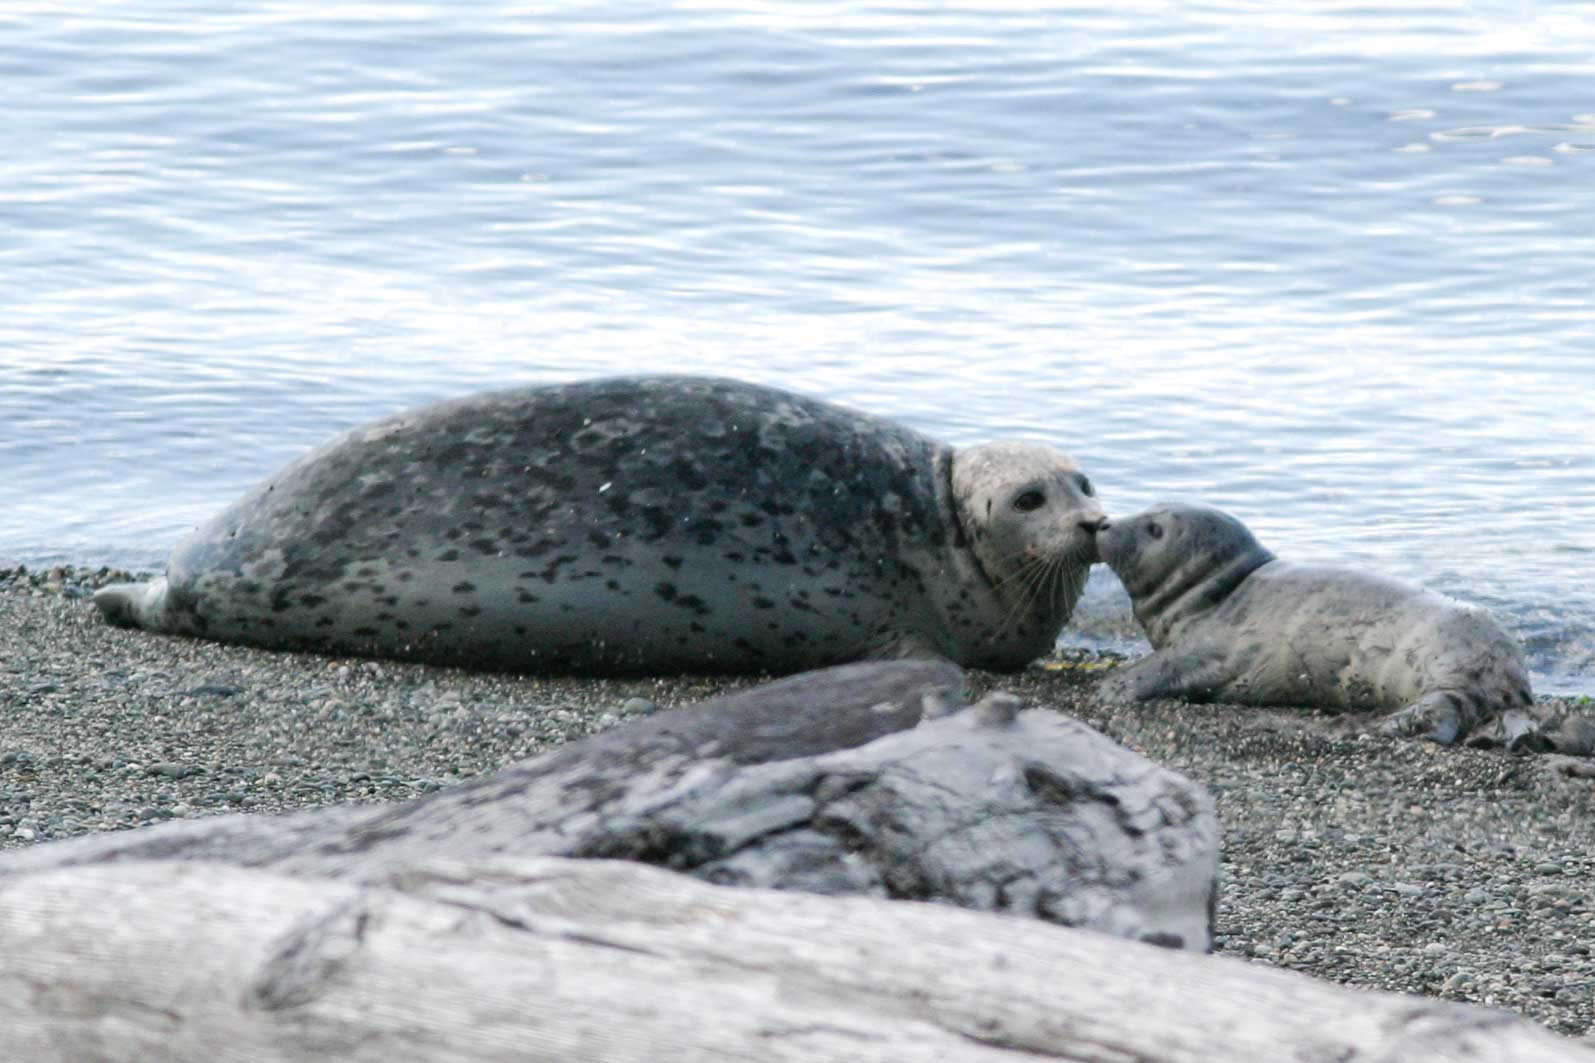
<point>1327,267</point>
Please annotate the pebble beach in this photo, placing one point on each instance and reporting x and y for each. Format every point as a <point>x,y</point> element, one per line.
<point>1460,874</point>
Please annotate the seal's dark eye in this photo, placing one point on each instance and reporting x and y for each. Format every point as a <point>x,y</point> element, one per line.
<point>1155,530</point>
<point>1030,501</point>
<point>1086,488</point>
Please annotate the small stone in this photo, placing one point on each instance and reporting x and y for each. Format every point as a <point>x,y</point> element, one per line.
<point>638,707</point>
<point>1355,879</point>
<point>997,709</point>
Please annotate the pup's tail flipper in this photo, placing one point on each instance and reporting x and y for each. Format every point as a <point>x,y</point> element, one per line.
<point>134,604</point>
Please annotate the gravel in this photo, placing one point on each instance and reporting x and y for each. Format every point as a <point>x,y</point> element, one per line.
<point>1453,873</point>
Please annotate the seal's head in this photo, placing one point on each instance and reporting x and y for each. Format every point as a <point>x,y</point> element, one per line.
<point>1178,560</point>
<point>1031,517</point>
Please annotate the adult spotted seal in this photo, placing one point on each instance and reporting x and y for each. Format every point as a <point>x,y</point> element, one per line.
<point>1229,622</point>
<point>640,524</point>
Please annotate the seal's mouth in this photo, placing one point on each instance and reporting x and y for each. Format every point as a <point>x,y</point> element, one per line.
<point>1102,542</point>
<point>1096,540</point>
<point>1088,552</point>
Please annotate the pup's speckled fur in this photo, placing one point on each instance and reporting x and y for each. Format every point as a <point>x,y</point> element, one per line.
<point>1231,623</point>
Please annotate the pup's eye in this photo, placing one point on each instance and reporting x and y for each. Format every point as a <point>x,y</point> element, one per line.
<point>1086,488</point>
<point>1030,501</point>
<point>1155,530</point>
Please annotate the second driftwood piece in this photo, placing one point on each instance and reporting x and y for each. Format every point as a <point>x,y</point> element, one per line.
<point>547,959</point>
<point>866,779</point>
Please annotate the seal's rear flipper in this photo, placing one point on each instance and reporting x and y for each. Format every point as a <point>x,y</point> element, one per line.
<point>134,604</point>
<point>1515,731</point>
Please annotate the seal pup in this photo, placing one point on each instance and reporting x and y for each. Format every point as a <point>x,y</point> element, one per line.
<point>1230,622</point>
<point>645,524</point>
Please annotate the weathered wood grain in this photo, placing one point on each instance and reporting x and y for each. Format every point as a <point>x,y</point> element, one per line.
<point>834,782</point>
<point>557,959</point>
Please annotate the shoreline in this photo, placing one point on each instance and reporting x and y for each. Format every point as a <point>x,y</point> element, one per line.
<point>1458,874</point>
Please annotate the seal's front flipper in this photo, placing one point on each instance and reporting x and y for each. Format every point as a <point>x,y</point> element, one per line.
<point>1439,717</point>
<point>910,646</point>
<point>1187,676</point>
<point>134,604</point>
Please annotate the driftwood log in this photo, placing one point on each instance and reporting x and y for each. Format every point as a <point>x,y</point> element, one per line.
<point>562,960</point>
<point>831,782</point>
<point>458,927</point>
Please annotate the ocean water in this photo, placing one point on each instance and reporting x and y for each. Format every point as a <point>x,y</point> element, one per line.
<point>1327,265</point>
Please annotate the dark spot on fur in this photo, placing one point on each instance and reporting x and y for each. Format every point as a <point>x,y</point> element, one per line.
<point>660,522</point>
<point>470,610</point>
<point>706,530</point>
<point>484,546</point>
<point>539,548</point>
<point>763,603</point>
<point>687,475</point>
<point>449,555</point>
<point>673,562</point>
<point>463,587</point>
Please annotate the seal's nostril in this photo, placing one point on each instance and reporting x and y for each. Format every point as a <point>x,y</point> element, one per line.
<point>1095,527</point>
